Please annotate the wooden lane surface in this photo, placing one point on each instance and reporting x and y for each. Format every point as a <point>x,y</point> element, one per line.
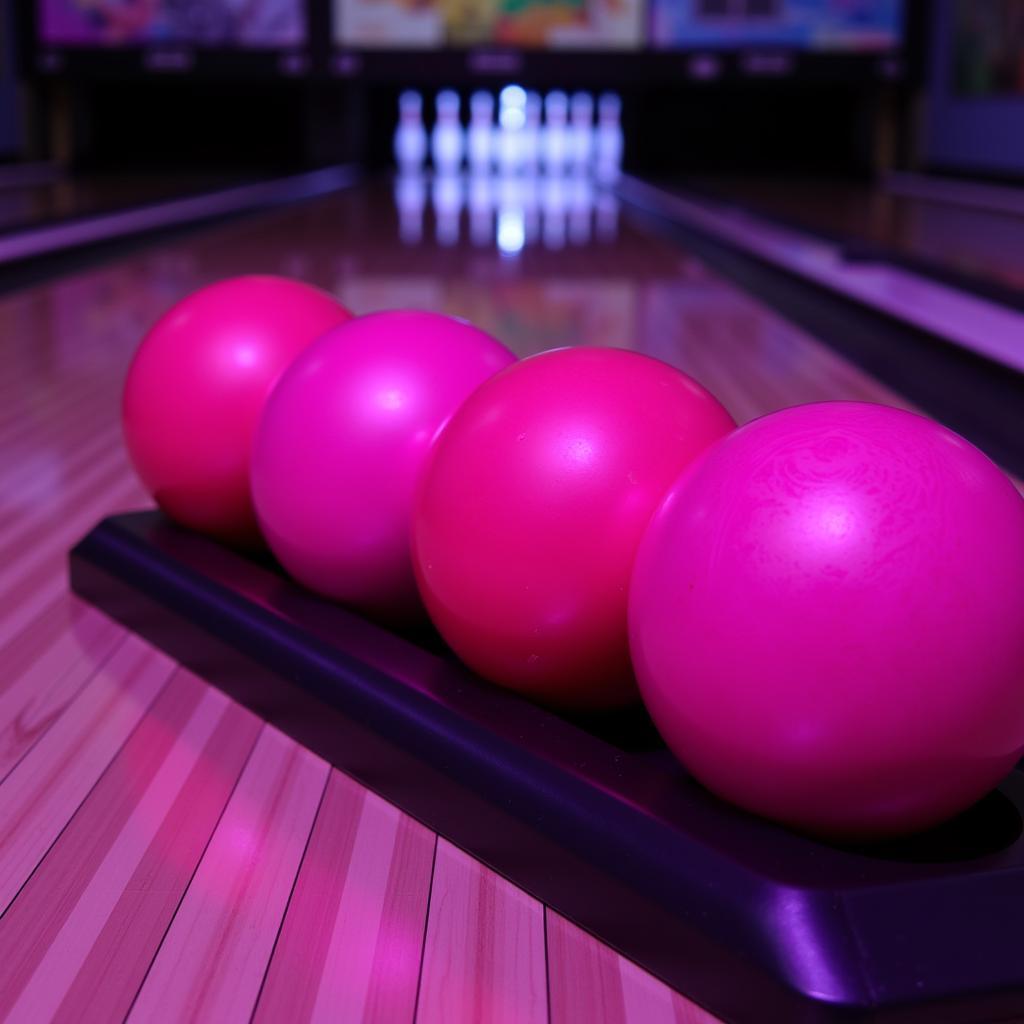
<point>163,854</point>
<point>352,939</point>
<point>987,244</point>
<point>484,958</point>
<point>29,206</point>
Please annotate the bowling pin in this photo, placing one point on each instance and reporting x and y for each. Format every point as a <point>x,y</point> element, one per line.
<point>554,135</point>
<point>511,128</point>
<point>531,132</point>
<point>581,131</point>
<point>410,135</point>
<point>480,137</point>
<point>411,199</point>
<point>447,142</point>
<point>608,141</point>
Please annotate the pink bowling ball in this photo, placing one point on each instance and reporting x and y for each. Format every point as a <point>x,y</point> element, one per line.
<point>827,620</point>
<point>196,388</point>
<point>342,444</point>
<point>532,507</point>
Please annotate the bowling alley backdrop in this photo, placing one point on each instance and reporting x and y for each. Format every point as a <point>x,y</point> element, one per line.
<point>583,439</point>
<point>322,75</point>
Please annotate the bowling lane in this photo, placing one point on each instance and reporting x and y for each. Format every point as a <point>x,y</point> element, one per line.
<point>34,205</point>
<point>554,268</point>
<point>980,245</point>
<point>564,269</point>
<point>92,711</point>
<point>538,266</point>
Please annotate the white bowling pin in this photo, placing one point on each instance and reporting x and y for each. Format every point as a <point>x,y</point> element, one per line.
<point>581,130</point>
<point>447,143</point>
<point>511,128</point>
<point>532,131</point>
<point>554,135</point>
<point>608,142</point>
<point>480,138</point>
<point>410,135</point>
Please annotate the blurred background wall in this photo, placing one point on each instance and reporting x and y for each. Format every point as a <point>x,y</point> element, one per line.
<point>10,140</point>
<point>974,85</point>
<point>822,87</point>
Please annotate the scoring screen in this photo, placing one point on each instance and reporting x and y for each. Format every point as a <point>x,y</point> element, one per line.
<point>534,24</point>
<point>812,25</point>
<point>228,23</point>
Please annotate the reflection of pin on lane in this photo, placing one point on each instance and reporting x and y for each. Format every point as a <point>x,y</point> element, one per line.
<point>411,199</point>
<point>606,224</point>
<point>511,231</point>
<point>511,236</point>
<point>581,200</point>
<point>531,205</point>
<point>481,207</point>
<point>447,197</point>
<point>553,201</point>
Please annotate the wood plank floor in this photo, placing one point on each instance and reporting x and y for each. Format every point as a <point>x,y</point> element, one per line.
<point>32,205</point>
<point>984,244</point>
<point>166,856</point>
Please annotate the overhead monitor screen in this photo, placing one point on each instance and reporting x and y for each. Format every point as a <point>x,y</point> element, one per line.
<point>988,48</point>
<point>810,25</point>
<point>975,104</point>
<point>533,24</point>
<point>267,24</point>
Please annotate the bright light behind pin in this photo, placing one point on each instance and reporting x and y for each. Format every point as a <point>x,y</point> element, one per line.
<point>512,107</point>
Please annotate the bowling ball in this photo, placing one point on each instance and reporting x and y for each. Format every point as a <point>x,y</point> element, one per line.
<point>531,509</point>
<point>826,620</point>
<point>196,388</point>
<point>343,441</point>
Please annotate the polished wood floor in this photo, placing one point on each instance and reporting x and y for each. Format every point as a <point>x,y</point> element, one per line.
<point>27,206</point>
<point>166,856</point>
<point>984,245</point>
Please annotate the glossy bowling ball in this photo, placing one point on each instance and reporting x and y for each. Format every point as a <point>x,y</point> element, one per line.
<point>342,444</point>
<point>827,620</point>
<point>196,388</point>
<point>531,509</point>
